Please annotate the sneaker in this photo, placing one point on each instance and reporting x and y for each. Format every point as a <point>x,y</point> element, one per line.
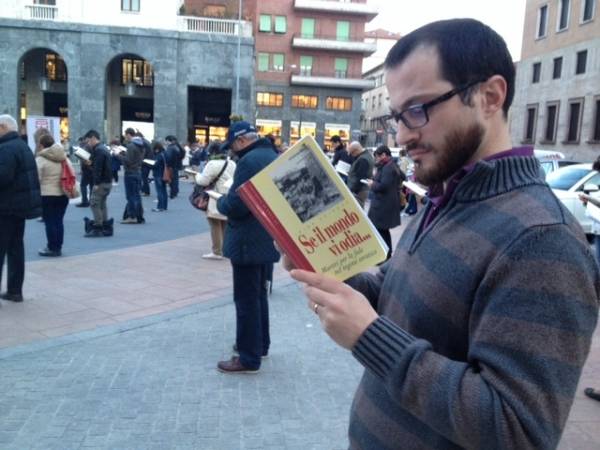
<point>129,220</point>
<point>47,252</point>
<point>17,298</point>
<point>234,365</point>
<point>212,256</point>
<point>235,350</point>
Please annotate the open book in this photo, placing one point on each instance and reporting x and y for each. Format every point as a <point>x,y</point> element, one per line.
<point>311,213</point>
<point>81,153</point>
<point>414,187</point>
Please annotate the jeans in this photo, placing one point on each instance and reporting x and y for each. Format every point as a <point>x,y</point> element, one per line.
<point>84,185</point>
<point>411,208</point>
<point>133,181</point>
<point>161,193</point>
<point>250,284</point>
<point>145,184</point>
<point>53,212</point>
<point>11,247</point>
<point>98,202</point>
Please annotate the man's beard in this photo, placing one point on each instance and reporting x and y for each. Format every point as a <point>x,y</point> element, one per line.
<point>458,149</point>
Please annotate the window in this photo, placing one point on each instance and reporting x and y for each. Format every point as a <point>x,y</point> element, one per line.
<point>264,23</point>
<point>339,103</point>
<point>575,107</point>
<point>306,64</point>
<point>373,100</point>
<point>581,62</point>
<point>341,67</point>
<point>55,68</point>
<point>308,28</point>
<point>551,116</point>
<point>130,5</point>
<point>136,71</point>
<point>343,30</point>
<point>531,120</point>
<point>542,21</point>
<point>587,10</point>
<point>537,70</point>
<point>563,14</point>
<point>45,2</point>
<point>557,68</point>
<point>280,24</point>
<point>217,11</point>
<point>305,101</point>
<point>596,136</point>
<point>278,62</point>
<point>263,62</point>
<point>379,100</point>
<point>269,99</point>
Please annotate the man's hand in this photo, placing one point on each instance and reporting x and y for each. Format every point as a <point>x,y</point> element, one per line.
<point>344,313</point>
<point>584,198</point>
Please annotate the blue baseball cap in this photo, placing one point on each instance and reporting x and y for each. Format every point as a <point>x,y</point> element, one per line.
<point>236,130</point>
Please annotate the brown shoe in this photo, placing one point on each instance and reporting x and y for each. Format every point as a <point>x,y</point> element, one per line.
<point>234,365</point>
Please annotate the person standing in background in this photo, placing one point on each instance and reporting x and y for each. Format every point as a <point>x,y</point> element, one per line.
<point>361,169</point>
<point>158,169</point>
<point>102,176</point>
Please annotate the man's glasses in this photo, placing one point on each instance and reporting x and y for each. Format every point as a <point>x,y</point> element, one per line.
<point>416,116</point>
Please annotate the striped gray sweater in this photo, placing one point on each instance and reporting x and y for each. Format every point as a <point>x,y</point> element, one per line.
<point>485,322</point>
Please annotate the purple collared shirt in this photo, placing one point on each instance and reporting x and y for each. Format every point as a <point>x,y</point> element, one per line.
<point>439,197</point>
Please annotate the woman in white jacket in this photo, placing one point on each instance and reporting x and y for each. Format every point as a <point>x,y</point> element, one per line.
<point>217,160</point>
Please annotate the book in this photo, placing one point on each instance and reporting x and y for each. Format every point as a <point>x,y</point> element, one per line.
<point>190,171</point>
<point>149,162</point>
<point>342,167</point>
<point>312,215</point>
<point>414,187</point>
<point>82,154</point>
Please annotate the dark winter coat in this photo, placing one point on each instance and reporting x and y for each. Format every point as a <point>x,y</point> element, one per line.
<point>101,165</point>
<point>19,184</point>
<point>385,199</point>
<point>246,241</point>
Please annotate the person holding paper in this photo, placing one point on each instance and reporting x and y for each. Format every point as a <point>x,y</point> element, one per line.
<point>361,169</point>
<point>218,171</point>
<point>251,251</point>
<point>475,333</point>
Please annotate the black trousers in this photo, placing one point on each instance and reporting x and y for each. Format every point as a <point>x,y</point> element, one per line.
<point>53,212</point>
<point>12,248</point>
<point>387,238</point>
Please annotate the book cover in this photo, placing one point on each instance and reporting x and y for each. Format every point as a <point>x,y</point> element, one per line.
<point>312,215</point>
<point>82,154</point>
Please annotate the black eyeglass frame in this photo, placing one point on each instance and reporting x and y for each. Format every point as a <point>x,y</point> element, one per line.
<point>399,116</point>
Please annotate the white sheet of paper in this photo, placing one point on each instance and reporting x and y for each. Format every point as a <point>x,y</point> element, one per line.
<point>213,194</point>
<point>414,187</point>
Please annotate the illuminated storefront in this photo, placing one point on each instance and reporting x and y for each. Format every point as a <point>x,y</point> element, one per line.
<point>340,129</point>
<point>306,128</point>
<point>265,127</point>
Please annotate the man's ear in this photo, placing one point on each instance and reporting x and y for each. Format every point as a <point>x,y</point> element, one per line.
<point>493,94</point>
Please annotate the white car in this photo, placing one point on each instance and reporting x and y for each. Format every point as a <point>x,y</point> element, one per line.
<point>567,183</point>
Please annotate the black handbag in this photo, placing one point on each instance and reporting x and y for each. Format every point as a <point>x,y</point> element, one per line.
<point>199,198</point>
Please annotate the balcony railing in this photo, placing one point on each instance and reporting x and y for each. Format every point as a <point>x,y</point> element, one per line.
<point>333,43</point>
<point>334,78</point>
<point>215,26</point>
<point>41,12</point>
<point>335,6</point>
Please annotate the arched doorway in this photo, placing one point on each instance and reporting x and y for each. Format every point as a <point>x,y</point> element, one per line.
<point>129,96</point>
<point>43,88</point>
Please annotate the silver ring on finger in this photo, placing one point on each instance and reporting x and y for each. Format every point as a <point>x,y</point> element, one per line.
<point>316,309</point>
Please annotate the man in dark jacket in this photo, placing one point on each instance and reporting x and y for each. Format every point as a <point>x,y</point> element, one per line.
<point>102,179</point>
<point>174,155</point>
<point>251,251</point>
<point>340,153</point>
<point>148,154</point>
<point>132,165</point>
<point>20,199</point>
<point>361,169</point>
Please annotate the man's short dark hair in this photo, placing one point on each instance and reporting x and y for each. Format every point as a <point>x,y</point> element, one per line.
<point>171,138</point>
<point>130,132</point>
<point>383,150</point>
<point>92,133</point>
<point>468,51</point>
<point>335,138</point>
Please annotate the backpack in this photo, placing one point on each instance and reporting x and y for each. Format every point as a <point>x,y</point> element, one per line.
<point>68,180</point>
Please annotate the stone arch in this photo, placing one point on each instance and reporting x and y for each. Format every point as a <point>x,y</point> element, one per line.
<point>42,81</point>
<point>129,94</point>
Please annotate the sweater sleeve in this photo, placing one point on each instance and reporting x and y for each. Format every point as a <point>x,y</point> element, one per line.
<point>531,322</point>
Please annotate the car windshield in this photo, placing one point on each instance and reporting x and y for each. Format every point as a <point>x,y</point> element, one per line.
<point>566,177</point>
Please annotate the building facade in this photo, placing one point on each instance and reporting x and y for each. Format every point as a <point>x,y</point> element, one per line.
<point>375,126</point>
<point>106,65</point>
<point>309,57</point>
<point>557,97</point>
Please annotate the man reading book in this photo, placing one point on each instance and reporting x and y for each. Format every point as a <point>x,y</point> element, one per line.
<point>475,333</point>
<point>251,251</point>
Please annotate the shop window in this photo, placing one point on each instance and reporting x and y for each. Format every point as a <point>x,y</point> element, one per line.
<point>55,68</point>
<point>339,103</point>
<point>542,21</point>
<point>581,63</point>
<point>136,71</point>
<point>536,73</point>
<point>280,24</point>
<point>531,119</point>
<point>551,121</point>
<point>557,68</point>
<point>269,99</point>
<point>130,5</point>
<point>264,23</point>
<point>575,108</point>
<point>305,101</point>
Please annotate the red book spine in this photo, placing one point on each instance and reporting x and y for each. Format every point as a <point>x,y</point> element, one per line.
<point>264,214</point>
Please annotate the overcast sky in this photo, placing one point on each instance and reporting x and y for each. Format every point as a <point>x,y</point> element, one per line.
<point>504,16</point>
